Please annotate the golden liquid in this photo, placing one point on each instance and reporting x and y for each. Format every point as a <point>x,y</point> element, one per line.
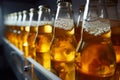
<point>11,31</point>
<point>19,34</point>
<point>43,42</point>
<point>96,59</point>
<point>12,34</point>
<point>115,37</point>
<point>15,40</point>
<point>31,41</point>
<point>63,54</point>
<point>24,37</point>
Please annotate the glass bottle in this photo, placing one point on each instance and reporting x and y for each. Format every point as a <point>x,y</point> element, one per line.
<point>44,37</point>
<point>11,30</point>
<point>12,25</point>
<point>64,42</point>
<point>96,59</point>
<point>32,33</point>
<point>7,19</point>
<point>25,31</point>
<point>6,23</point>
<point>15,40</point>
<point>31,40</point>
<point>19,30</point>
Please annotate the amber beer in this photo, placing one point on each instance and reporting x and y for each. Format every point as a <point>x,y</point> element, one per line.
<point>19,32</point>
<point>11,36</point>
<point>63,54</point>
<point>96,60</point>
<point>63,50</point>
<point>11,26</point>
<point>14,35</point>
<point>43,42</point>
<point>24,37</point>
<point>31,39</point>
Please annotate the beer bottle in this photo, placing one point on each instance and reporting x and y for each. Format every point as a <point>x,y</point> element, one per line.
<point>19,30</point>
<point>7,28</point>
<point>96,60</point>
<point>64,43</point>
<point>44,37</point>
<point>25,31</point>
<point>15,40</point>
<point>32,33</point>
<point>12,38</point>
<point>25,27</point>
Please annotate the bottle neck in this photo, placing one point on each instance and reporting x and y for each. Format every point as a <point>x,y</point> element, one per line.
<point>94,22</point>
<point>64,10</point>
<point>95,9</point>
<point>44,15</point>
<point>64,17</point>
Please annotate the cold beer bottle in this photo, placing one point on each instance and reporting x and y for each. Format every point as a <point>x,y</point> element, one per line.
<point>11,28</point>
<point>7,26</point>
<point>25,31</point>
<point>64,42</point>
<point>32,33</point>
<point>96,59</point>
<point>44,37</point>
<point>19,30</point>
<point>14,30</point>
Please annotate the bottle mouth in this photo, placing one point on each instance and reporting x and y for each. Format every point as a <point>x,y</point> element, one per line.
<point>59,1</point>
<point>64,4</point>
<point>44,8</point>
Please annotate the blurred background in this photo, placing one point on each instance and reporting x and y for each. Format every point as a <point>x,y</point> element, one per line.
<point>10,6</point>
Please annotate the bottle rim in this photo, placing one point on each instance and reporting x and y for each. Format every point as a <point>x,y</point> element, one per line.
<point>44,8</point>
<point>64,3</point>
